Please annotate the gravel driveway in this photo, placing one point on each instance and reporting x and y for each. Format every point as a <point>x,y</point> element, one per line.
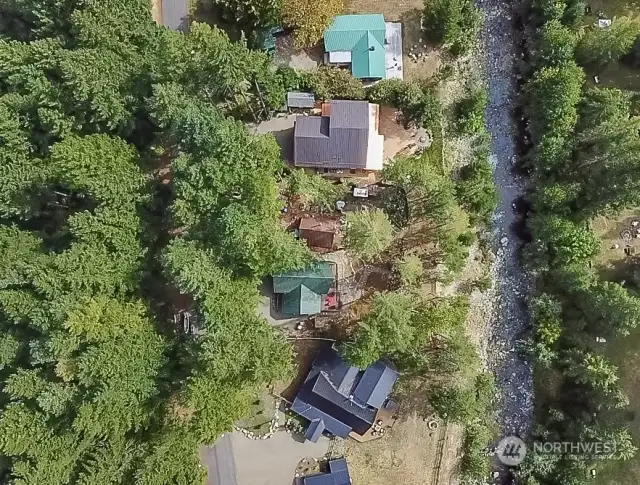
<point>237,460</point>
<point>513,372</point>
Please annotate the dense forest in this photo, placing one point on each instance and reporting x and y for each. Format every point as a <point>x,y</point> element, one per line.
<point>584,164</point>
<point>95,101</point>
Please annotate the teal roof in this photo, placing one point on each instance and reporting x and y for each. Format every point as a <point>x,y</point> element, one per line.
<point>346,30</point>
<point>301,301</point>
<point>317,277</point>
<point>359,34</point>
<point>368,58</point>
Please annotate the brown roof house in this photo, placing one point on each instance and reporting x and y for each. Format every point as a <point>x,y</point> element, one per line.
<point>319,232</point>
<point>344,137</point>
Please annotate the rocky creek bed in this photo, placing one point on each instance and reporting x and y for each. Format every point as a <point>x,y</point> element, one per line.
<point>508,319</point>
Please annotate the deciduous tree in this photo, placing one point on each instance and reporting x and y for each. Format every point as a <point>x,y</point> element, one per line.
<point>387,329</point>
<point>309,18</point>
<point>453,22</point>
<point>368,233</point>
<point>603,46</point>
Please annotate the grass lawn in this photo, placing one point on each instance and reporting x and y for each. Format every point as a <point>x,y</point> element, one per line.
<point>611,263</point>
<point>612,8</point>
<point>617,75</point>
<point>624,351</point>
<point>262,411</point>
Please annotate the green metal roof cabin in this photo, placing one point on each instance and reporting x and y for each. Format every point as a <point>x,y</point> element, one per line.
<point>364,37</point>
<point>302,290</point>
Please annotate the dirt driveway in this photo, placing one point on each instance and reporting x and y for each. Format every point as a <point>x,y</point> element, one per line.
<point>281,126</point>
<point>392,11</point>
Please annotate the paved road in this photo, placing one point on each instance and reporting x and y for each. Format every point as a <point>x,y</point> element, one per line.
<point>220,462</point>
<point>513,372</point>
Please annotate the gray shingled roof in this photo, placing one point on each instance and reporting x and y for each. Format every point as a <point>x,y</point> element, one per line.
<point>315,429</point>
<point>300,100</point>
<point>336,141</point>
<point>343,397</point>
<point>375,384</point>
<point>338,475</point>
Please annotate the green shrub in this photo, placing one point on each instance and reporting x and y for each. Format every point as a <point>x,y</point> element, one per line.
<point>456,253</point>
<point>555,45</point>
<point>455,23</point>
<point>368,233</point>
<point>316,190</point>
<point>470,112</point>
<point>604,46</point>
<point>475,189</point>
<point>418,104</point>
<point>410,270</point>
<point>334,83</point>
<point>573,12</point>
<point>386,91</point>
<point>474,464</point>
<point>291,79</point>
<point>483,283</point>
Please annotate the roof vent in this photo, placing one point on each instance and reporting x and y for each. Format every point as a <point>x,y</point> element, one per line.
<point>372,48</point>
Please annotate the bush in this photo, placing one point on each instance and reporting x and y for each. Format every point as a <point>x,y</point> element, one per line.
<point>465,404</point>
<point>310,18</point>
<point>474,464</point>
<point>482,284</point>
<point>455,23</point>
<point>471,406</point>
<point>418,104</point>
<point>555,45</point>
<point>604,46</point>
<point>470,112</point>
<point>455,252</point>
<point>291,79</point>
<point>476,191</point>
<point>368,233</point>
<point>410,270</point>
<point>386,91</point>
<point>573,12</point>
<point>316,190</point>
<point>334,83</point>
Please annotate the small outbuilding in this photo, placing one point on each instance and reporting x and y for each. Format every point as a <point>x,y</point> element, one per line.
<point>318,232</point>
<point>299,100</point>
<point>304,292</point>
